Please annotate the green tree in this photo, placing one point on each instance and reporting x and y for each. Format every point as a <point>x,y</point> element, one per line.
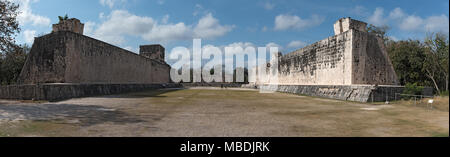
<point>9,25</point>
<point>407,58</point>
<point>436,61</point>
<point>11,64</point>
<point>63,18</point>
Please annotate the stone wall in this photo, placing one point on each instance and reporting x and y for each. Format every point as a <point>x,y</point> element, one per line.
<point>358,93</point>
<point>56,92</point>
<point>370,61</point>
<point>73,25</point>
<point>352,57</point>
<point>68,57</point>
<point>327,62</point>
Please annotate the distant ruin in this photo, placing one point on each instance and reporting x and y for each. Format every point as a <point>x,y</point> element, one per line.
<point>67,56</point>
<point>351,65</point>
<point>351,57</point>
<point>67,64</point>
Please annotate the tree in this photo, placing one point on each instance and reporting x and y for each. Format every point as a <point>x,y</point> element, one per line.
<point>436,62</point>
<point>63,18</point>
<point>11,64</point>
<point>9,25</point>
<point>379,31</point>
<point>408,58</point>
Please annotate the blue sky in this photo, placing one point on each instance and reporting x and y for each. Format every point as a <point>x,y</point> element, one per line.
<point>289,24</point>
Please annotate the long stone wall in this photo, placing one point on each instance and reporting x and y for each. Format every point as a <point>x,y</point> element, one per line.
<point>358,93</point>
<point>68,57</point>
<point>350,58</point>
<point>56,92</point>
<point>370,60</point>
<point>327,62</point>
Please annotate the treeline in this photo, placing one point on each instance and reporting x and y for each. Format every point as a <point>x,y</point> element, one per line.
<point>11,63</point>
<point>12,56</point>
<point>421,63</point>
<point>224,75</point>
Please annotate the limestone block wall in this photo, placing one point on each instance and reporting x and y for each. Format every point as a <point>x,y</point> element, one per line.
<point>68,57</point>
<point>73,25</point>
<point>351,58</point>
<point>57,92</point>
<point>358,93</point>
<point>370,61</point>
<point>327,62</point>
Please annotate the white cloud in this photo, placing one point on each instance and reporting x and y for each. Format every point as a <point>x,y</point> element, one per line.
<point>269,6</point>
<point>111,3</point>
<point>296,44</point>
<point>285,22</point>
<point>89,28</point>
<point>29,36</point>
<point>377,18</point>
<point>396,13</point>
<point>410,23</point>
<point>437,24</point>
<point>121,23</point>
<point>170,32</point>
<point>27,16</point>
<point>209,27</point>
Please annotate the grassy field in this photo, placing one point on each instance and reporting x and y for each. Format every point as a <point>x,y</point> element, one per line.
<point>219,113</point>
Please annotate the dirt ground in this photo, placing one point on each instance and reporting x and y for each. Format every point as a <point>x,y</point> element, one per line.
<point>217,113</point>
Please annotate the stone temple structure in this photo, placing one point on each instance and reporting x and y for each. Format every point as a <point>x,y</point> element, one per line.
<point>351,57</point>
<point>351,65</point>
<point>67,64</point>
<point>67,56</point>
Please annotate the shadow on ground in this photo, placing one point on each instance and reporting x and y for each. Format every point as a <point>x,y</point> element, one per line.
<point>147,93</point>
<point>84,115</point>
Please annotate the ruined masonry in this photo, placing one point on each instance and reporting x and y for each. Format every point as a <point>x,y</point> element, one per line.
<point>351,65</point>
<point>66,64</point>
<point>67,56</point>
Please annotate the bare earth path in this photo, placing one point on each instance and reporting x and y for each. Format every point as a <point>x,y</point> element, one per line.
<point>215,112</point>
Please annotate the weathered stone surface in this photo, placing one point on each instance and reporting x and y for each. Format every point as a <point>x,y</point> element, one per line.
<point>155,52</point>
<point>73,25</point>
<point>68,57</point>
<point>351,57</point>
<point>359,93</point>
<point>55,92</point>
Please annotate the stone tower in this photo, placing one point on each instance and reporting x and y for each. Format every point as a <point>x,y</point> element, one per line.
<point>156,52</point>
<point>72,25</point>
<point>345,24</point>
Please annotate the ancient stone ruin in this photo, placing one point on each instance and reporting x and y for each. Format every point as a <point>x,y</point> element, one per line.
<point>66,64</point>
<point>351,65</point>
<point>67,56</point>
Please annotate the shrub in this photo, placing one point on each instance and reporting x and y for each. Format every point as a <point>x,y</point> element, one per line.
<point>413,89</point>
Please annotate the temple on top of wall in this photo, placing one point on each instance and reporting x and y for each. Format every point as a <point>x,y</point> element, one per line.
<point>352,56</point>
